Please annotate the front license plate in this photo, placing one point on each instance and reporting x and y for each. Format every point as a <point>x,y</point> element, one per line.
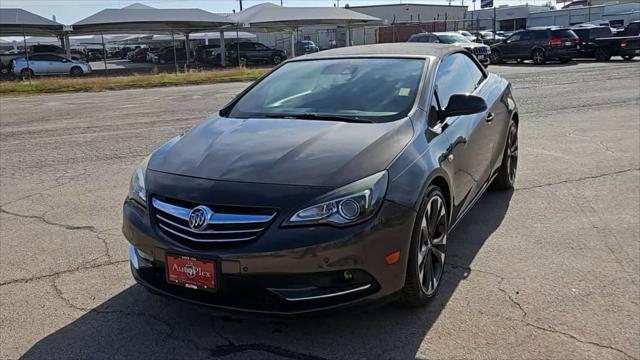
<point>637,51</point>
<point>568,43</point>
<point>190,272</point>
<point>480,57</point>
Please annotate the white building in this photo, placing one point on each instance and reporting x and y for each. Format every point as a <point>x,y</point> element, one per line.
<point>510,18</point>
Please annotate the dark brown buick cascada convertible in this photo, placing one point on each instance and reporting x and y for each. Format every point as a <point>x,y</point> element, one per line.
<point>332,181</point>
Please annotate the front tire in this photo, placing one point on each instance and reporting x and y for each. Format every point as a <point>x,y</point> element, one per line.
<point>25,74</point>
<point>276,59</point>
<point>76,71</point>
<point>496,57</point>
<point>506,177</point>
<point>428,249</point>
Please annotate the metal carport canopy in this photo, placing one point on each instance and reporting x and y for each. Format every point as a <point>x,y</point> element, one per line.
<point>144,19</point>
<point>19,22</point>
<point>150,20</point>
<point>272,18</point>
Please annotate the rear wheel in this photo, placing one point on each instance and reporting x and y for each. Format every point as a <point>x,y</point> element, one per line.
<point>496,57</point>
<point>602,54</point>
<point>538,57</point>
<point>76,71</point>
<point>628,57</point>
<point>519,61</point>
<point>427,251</point>
<point>243,61</point>
<point>507,173</point>
<point>25,74</point>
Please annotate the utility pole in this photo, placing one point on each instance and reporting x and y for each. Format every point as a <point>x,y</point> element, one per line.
<point>240,5</point>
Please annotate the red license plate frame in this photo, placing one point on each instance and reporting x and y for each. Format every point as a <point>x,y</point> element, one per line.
<point>190,272</point>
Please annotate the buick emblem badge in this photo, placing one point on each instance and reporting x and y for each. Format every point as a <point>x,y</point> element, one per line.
<point>199,217</point>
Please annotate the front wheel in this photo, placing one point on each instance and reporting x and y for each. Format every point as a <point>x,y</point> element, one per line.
<point>496,57</point>
<point>427,251</point>
<point>276,59</point>
<point>628,57</point>
<point>506,177</point>
<point>25,74</point>
<point>76,71</point>
<point>538,57</point>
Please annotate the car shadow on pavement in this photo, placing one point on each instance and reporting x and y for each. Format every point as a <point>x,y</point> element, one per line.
<point>137,324</point>
<point>531,64</point>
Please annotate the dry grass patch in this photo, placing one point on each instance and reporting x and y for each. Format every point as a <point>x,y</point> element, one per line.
<point>64,85</point>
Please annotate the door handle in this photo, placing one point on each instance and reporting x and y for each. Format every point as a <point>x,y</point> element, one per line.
<point>490,117</point>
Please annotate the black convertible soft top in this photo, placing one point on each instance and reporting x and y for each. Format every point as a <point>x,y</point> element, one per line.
<point>391,49</point>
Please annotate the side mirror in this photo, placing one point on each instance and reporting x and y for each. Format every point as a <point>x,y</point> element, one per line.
<point>463,104</point>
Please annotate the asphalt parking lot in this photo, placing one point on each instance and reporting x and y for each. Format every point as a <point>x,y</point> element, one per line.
<point>551,270</point>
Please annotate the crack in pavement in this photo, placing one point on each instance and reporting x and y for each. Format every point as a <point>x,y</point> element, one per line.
<point>89,228</point>
<point>68,271</point>
<point>572,133</point>
<point>552,330</point>
<point>567,181</point>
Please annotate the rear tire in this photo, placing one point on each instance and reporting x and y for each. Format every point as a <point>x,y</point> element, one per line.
<point>25,74</point>
<point>76,71</point>
<point>538,57</point>
<point>427,252</point>
<point>628,57</point>
<point>602,54</point>
<point>506,177</point>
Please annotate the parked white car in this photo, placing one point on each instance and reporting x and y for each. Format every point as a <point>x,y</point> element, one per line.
<point>48,64</point>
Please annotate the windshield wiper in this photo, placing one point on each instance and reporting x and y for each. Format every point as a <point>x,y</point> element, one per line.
<point>316,116</point>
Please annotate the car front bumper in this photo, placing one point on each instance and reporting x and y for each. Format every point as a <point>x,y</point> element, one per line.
<point>336,268</point>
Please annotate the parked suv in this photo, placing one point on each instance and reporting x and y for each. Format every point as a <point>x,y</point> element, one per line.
<point>537,44</point>
<point>253,52</point>
<point>598,42</point>
<point>482,52</point>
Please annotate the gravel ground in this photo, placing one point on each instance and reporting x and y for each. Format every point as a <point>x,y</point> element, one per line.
<point>551,270</point>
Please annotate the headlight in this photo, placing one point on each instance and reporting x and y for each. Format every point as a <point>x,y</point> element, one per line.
<point>347,205</point>
<point>137,190</point>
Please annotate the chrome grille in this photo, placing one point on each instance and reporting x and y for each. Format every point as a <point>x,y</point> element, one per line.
<point>481,50</point>
<point>242,224</point>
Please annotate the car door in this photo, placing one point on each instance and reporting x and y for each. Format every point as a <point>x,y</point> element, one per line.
<point>509,48</point>
<point>522,47</point>
<point>470,136</point>
<point>58,64</point>
<point>264,53</point>
<point>39,64</point>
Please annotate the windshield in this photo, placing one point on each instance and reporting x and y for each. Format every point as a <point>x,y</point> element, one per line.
<point>357,89</point>
<point>452,38</point>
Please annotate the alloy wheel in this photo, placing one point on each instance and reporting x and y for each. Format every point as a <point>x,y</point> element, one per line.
<point>432,246</point>
<point>512,153</point>
<point>277,60</point>
<point>538,57</point>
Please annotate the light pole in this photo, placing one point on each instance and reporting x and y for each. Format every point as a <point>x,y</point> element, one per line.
<point>240,4</point>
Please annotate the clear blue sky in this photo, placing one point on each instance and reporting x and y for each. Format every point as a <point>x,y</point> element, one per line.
<point>70,11</point>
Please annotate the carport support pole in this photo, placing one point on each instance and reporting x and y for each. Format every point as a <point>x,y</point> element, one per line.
<point>175,56</point>
<point>186,48</point>
<point>293,44</point>
<point>67,44</point>
<point>26,53</point>
<point>104,55</point>
<point>223,50</point>
<point>348,35</point>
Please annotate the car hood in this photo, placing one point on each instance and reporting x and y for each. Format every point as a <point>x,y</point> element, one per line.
<point>470,45</point>
<point>283,151</point>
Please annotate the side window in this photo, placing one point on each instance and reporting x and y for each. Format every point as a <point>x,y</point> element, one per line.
<point>525,36</point>
<point>539,36</point>
<point>433,39</point>
<point>246,46</point>
<point>37,58</point>
<point>513,38</point>
<point>261,47</point>
<point>457,74</point>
